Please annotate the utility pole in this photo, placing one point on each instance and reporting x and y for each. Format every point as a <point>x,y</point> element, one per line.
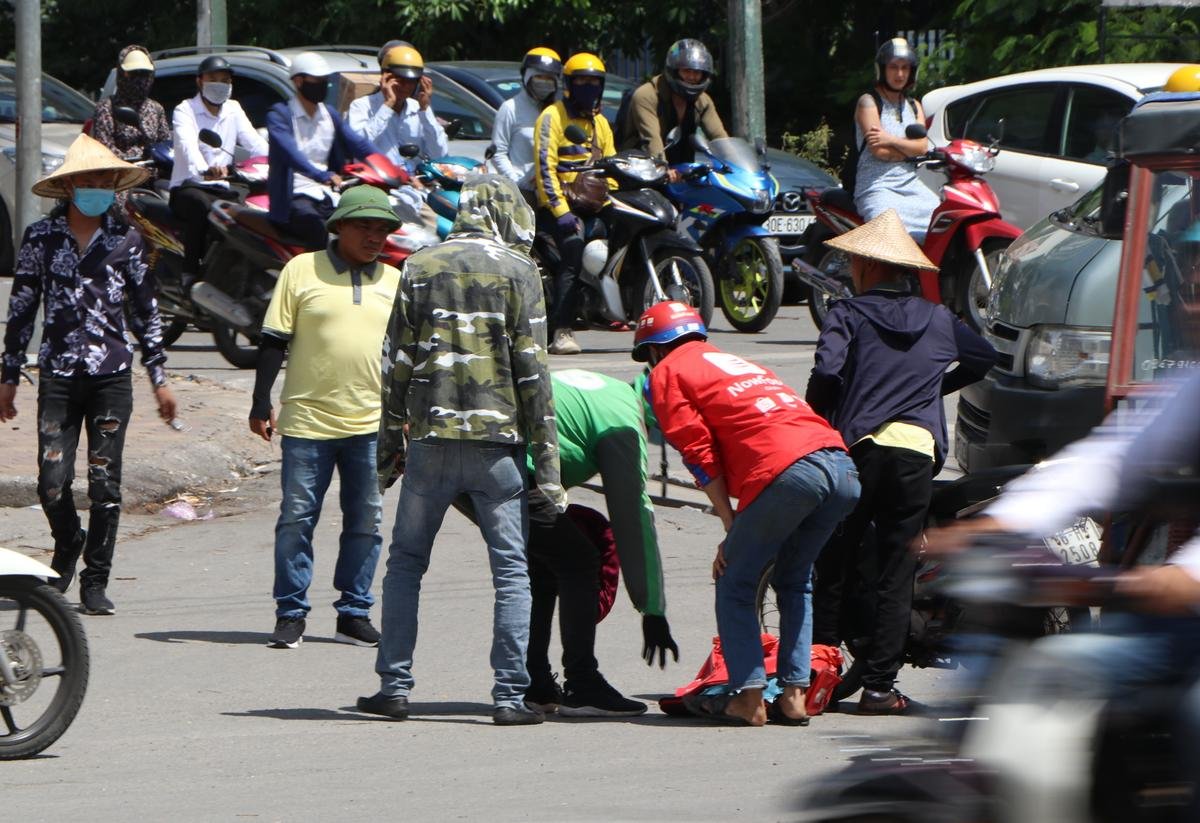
<point>746,51</point>
<point>29,113</point>
<point>212,23</point>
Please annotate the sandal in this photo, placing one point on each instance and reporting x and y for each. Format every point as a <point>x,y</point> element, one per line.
<point>714,708</point>
<point>776,715</point>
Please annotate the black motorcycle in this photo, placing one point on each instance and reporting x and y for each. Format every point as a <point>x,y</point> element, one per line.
<point>642,258</point>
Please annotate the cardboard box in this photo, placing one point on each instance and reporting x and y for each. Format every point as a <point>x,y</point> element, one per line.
<point>353,85</point>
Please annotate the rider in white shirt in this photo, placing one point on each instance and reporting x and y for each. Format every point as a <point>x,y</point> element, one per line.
<point>200,171</point>
<point>512,134</point>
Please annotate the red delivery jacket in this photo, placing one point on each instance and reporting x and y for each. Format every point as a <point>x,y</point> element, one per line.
<point>729,417</point>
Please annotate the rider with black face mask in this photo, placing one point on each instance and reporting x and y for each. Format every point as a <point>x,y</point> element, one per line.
<point>560,229</point>
<point>135,77</point>
<point>309,145</point>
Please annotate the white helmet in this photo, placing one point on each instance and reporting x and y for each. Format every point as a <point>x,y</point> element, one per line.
<point>310,63</point>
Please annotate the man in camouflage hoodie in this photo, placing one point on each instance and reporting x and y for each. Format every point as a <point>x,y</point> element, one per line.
<point>466,384</point>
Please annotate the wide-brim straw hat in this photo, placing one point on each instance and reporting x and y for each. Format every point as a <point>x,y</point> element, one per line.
<point>88,155</point>
<point>883,238</point>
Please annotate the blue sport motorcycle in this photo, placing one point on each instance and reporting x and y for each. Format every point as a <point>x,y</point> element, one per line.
<point>724,202</point>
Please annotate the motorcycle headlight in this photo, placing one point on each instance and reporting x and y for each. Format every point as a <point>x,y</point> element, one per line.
<point>974,157</point>
<point>1061,356</point>
<point>761,202</point>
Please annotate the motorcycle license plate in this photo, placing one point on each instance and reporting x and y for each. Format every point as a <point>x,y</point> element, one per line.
<point>789,223</point>
<point>1077,545</point>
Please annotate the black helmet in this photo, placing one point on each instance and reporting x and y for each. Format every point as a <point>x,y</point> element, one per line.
<point>896,48</point>
<point>214,62</point>
<point>688,54</point>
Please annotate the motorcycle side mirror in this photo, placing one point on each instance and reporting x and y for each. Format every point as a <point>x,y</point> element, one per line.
<point>210,138</point>
<point>760,147</point>
<point>126,116</point>
<point>915,131</point>
<point>672,138</point>
<point>575,134</point>
<point>453,128</point>
<point>489,152</point>
<point>409,150</point>
<point>1114,199</point>
<point>700,143</point>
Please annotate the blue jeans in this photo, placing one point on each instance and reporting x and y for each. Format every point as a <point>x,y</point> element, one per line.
<point>436,472</point>
<point>789,522</point>
<point>307,469</point>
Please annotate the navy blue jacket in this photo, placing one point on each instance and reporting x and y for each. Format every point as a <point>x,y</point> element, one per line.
<point>882,358</point>
<point>285,157</point>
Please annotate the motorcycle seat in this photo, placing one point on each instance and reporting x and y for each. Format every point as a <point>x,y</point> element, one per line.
<point>257,221</point>
<point>155,209</point>
<point>838,198</point>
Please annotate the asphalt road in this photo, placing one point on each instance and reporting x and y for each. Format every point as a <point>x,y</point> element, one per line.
<point>189,716</point>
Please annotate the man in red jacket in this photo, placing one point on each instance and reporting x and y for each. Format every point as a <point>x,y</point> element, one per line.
<point>744,433</point>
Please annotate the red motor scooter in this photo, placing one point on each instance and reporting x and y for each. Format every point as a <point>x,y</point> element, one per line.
<point>966,240</point>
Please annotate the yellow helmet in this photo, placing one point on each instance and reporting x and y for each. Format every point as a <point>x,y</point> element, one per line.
<point>1184,78</point>
<point>584,65</point>
<point>403,61</point>
<point>542,60</point>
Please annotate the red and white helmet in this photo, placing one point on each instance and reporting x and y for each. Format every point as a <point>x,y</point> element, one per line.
<point>666,322</point>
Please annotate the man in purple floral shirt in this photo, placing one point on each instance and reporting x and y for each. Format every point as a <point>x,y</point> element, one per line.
<point>85,265</point>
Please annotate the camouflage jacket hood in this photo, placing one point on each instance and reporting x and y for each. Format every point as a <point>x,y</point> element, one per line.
<point>492,207</point>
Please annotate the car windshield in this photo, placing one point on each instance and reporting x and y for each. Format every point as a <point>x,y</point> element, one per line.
<point>1083,215</point>
<point>736,152</point>
<point>507,86</point>
<point>1171,277</point>
<point>60,103</point>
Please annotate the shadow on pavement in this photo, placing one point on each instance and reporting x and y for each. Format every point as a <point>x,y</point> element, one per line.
<point>304,714</point>
<point>226,638</point>
<point>766,342</point>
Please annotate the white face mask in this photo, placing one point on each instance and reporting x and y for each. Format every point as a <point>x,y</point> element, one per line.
<point>216,93</point>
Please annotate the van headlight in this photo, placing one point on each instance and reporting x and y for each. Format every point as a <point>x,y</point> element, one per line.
<point>1062,356</point>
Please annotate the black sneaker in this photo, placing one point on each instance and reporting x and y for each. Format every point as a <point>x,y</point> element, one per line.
<point>598,699</point>
<point>357,631</point>
<point>64,562</point>
<point>889,702</point>
<point>544,694</point>
<point>517,716</point>
<point>93,600</point>
<point>289,633</point>
<point>393,706</point>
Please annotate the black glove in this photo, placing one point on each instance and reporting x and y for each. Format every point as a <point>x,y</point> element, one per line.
<point>656,636</point>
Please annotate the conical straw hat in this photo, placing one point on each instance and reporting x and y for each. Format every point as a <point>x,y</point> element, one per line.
<point>87,155</point>
<point>883,238</point>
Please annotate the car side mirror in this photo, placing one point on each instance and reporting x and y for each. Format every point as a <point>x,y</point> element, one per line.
<point>453,128</point>
<point>126,116</point>
<point>575,134</point>
<point>489,152</point>
<point>915,131</point>
<point>1114,200</point>
<point>672,138</point>
<point>210,138</point>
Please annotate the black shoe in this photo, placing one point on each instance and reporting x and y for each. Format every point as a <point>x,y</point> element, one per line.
<point>64,562</point>
<point>92,600</point>
<point>597,698</point>
<point>544,694</point>
<point>357,631</point>
<point>393,706</point>
<point>289,633</point>
<point>517,716</point>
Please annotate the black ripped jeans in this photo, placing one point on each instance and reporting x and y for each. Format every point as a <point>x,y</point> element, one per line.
<point>102,406</point>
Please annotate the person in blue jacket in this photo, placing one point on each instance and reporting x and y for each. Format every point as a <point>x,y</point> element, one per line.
<point>309,145</point>
<point>879,378</point>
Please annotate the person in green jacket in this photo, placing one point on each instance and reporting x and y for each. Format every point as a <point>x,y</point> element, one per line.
<point>600,431</point>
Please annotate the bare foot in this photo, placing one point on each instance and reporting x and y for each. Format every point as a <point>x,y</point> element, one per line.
<point>748,705</point>
<point>791,702</point>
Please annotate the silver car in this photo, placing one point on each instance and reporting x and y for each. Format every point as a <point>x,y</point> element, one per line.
<point>64,112</point>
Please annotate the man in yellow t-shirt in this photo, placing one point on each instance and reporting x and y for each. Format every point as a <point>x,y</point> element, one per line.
<point>329,312</point>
